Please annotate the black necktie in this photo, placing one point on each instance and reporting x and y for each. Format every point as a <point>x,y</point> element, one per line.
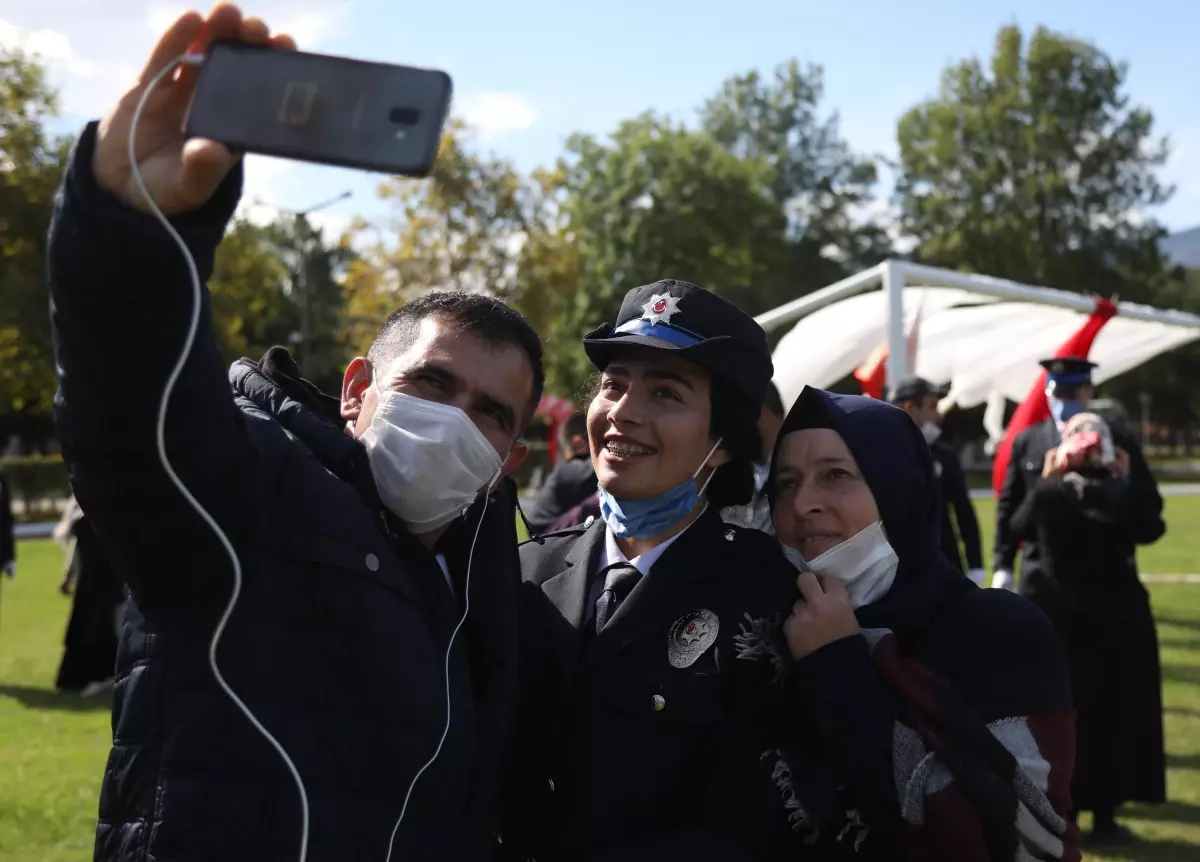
<point>619,580</point>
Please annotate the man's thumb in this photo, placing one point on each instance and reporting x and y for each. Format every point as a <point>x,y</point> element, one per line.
<point>205,164</point>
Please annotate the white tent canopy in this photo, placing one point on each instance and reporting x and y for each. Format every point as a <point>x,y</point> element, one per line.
<point>983,336</point>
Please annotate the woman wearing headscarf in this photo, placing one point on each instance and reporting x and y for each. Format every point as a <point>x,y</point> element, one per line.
<point>931,719</point>
<point>641,732</point>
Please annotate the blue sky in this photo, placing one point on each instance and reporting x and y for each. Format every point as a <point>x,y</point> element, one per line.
<point>531,73</point>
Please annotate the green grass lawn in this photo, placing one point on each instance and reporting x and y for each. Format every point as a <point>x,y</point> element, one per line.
<point>53,748</point>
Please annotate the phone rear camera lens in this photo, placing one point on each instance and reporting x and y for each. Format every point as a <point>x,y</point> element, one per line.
<point>404,116</point>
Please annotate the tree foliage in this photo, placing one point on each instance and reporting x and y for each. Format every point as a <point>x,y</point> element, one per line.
<point>819,183</point>
<point>1036,169</point>
<point>655,201</point>
<point>31,165</point>
<point>461,229</point>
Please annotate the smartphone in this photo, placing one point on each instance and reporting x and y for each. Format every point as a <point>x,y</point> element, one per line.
<point>318,108</point>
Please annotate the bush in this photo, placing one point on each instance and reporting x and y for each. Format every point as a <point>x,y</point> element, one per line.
<point>37,478</point>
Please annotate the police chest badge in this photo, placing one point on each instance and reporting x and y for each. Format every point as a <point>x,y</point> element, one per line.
<point>690,636</point>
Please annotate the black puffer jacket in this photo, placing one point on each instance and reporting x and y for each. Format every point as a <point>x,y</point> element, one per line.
<point>338,641</point>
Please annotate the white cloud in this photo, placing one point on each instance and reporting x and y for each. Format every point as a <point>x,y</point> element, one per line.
<point>494,114</point>
<point>53,47</point>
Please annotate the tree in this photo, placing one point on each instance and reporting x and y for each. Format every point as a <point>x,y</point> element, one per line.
<point>659,201</point>
<point>461,229</point>
<point>1037,170</point>
<point>31,165</point>
<point>819,183</point>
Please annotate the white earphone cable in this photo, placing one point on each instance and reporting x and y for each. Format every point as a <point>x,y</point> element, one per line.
<point>161,439</point>
<point>449,648</point>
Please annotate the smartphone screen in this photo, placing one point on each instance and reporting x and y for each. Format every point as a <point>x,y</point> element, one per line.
<point>318,108</point>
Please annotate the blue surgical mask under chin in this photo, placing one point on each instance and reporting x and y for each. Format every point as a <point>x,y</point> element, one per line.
<point>1064,411</point>
<point>642,519</point>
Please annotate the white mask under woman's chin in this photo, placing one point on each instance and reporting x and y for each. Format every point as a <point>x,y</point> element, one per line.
<point>865,563</point>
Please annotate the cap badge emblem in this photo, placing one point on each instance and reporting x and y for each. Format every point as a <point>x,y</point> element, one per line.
<point>661,308</point>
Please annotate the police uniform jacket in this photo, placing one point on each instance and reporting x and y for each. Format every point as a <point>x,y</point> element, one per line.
<point>622,754</point>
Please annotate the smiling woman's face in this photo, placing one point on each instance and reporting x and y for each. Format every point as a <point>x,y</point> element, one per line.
<point>821,497</point>
<point>649,424</point>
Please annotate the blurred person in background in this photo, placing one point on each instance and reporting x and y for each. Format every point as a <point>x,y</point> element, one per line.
<point>571,481</point>
<point>1086,517</point>
<point>960,528</point>
<point>90,646</point>
<point>756,515</point>
<point>8,542</point>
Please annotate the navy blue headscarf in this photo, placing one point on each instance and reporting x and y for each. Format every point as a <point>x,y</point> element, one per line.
<point>898,468</point>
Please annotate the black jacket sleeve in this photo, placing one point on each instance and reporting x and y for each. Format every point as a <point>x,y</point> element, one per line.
<point>1011,495</point>
<point>8,544</point>
<point>954,484</point>
<point>1140,508</point>
<point>846,694</point>
<point>120,303</point>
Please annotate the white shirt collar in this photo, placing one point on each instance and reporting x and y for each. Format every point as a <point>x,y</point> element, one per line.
<point>613,553</point>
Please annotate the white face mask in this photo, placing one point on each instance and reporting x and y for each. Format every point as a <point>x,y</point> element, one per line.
<point>931,431</point>
<point>865,563</point>
<point>429,460</point>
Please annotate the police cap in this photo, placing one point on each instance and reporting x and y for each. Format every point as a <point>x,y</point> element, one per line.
<point>698,325</point>
<point>1068,370</point>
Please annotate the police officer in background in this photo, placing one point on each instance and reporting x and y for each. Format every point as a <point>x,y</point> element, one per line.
<point>641,733</point>
<point>920,399</point>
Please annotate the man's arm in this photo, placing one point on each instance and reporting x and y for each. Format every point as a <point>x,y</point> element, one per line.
<point>955,483</point>
<point>121,301</point>
<point>1011,494</point>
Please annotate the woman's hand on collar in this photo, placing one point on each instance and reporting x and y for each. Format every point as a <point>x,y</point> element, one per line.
<point>821,616</point>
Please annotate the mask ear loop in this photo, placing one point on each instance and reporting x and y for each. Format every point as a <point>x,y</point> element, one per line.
<point>715,447</point>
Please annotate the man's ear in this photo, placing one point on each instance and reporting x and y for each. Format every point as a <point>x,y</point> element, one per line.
<point>516,457</point>
<point>354,386</point>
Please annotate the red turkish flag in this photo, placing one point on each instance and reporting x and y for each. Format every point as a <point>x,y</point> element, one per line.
<point>1034,410</point>
<point>872,374</point>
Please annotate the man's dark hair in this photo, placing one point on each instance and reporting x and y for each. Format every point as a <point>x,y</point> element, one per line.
<point>773,401</point>
<point>484,317</point>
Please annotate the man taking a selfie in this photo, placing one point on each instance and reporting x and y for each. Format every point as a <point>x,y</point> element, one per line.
<point>364,526</point>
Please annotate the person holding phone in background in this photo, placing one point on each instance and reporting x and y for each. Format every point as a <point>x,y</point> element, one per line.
<point>346,512</point>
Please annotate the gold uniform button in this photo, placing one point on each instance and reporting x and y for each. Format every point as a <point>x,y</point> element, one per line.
<point>660,702</point>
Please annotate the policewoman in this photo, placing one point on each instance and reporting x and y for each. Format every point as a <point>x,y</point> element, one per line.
<point>641,732</point>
